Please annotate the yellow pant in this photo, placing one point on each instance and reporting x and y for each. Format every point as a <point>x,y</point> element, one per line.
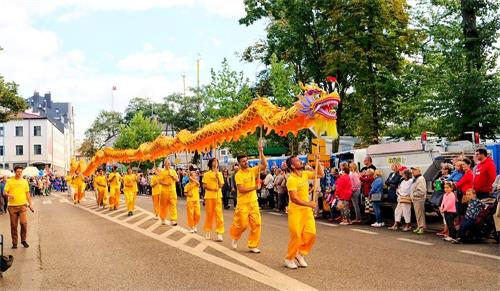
<point>302,230</point>
<point>130,196</point>
<point>156,203</point>
<point>193,213</point>
<point>101,194</point>
<point>114,197</point>
<point>245,214</point>
<point>168,205</point>
<point>213,209</point>
<point>79,192</point>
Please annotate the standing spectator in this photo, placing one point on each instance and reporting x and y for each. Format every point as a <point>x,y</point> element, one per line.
<point>449,210</point>
<point>356,191</point>
<point>280,187</point>
<point>375,196</point>
<point>233,185</point>
<point>32,186</point>
<point>403,209</point>
<point>3,199</point>
<point>366,185</point>
<point>226,188</point>
<point>484,174</point>
<point>496,185</point>
<point>418,195</point>
<point>368,164</point>
<point>143,184</point>
<point>18,192</point>
<point>464,184</point>
<point>392,183</point>
<point>343,190</point>
<point>269,185</point>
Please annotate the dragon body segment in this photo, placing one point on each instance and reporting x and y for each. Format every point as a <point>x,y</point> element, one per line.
<point>315,109</point>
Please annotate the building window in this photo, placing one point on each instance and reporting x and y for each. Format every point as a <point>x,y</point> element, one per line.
<point>19,150</point>
<point>37,149</point>
<point>1,131</point>
<point>19,131</point>
<point>1,150</point>
<point>37,130</point>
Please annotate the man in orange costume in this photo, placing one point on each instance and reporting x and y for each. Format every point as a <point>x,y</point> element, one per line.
<point>212,183</point>
<point>168,195</point>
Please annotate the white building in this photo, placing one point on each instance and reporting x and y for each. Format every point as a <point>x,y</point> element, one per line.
<point>33,140</point>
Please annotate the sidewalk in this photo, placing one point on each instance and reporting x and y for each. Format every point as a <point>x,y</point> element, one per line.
<point>25,273</point>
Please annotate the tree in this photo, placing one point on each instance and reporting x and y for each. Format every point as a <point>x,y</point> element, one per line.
<point>10,101</point>
<point>106,125</point>
<point>87,148</point>
<point>148,108</point>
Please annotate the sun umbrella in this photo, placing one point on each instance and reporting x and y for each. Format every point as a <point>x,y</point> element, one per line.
<point>30,172</point>
<point>5,172</point>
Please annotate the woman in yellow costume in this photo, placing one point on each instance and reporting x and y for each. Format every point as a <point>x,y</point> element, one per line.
<point>130,190</point>
<point>212,183</point>
<point>101,185</point>
<point>78,183</point>
<point>155,191</point>
<point>114,180</point>
<point>168,196</point>
<point>301,224</point>
<point>192,192</point>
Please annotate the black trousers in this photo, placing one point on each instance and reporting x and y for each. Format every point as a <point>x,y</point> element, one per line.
<point>449,217</point>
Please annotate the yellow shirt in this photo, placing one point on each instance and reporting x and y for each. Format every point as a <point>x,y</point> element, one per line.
<point>78,180</point>
<point>210,180</point>
<point>247,179</point>
<point>193,191</point>
<point>69,180</point>
<point>155,185</point>
<point>166,178</point>
<point>114,179</point>
<point>130,182</point>
<point>100,182</point>
<point>17,188</point>
<point>300,184</point>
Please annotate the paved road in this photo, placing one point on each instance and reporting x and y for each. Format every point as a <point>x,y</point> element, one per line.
<point>82,247</point>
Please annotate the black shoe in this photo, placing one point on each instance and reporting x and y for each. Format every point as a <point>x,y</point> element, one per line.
<point>14,246</point>
<point>25,244</point>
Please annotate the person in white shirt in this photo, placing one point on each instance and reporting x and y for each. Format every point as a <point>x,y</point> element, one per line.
<point>403,209</point>
<point>269,186</point>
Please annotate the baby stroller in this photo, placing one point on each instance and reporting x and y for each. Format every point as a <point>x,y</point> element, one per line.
<point>484,227</point>
<point>5,262</point>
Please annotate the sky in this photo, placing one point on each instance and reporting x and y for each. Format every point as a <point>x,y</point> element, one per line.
<point>79,49</point>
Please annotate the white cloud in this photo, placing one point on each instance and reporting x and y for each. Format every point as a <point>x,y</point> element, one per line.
<point>152,61</point>
<point>216,42</point>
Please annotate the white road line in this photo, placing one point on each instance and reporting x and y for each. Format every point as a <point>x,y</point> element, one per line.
<point>415,241</point>
<point>47,202</point>
<point>327,224</point>
<point>276,213</point>
<point>480,254</point>
<point>244,266</point>
<point>363,231</point>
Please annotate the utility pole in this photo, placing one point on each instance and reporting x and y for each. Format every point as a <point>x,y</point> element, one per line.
<point>184,84</point>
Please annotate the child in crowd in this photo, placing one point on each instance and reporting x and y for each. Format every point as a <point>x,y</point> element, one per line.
<point>192,192</point>
<point>449,210</point>
<point>473,208</point>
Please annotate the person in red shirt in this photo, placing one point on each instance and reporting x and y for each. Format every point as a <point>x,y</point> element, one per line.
<point>484,174</point>
<point>343,190</point>
<point>466,182</point>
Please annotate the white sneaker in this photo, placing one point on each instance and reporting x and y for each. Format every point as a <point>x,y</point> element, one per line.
<point>207,235</point>
<point>167,222</point>
<point>192,230</point>
<point>301,261</point>
<point>290,264</point>
<point>163,222</point>
<point>255,250</point>
<point>234,244</point>
<point>219,238</point>
<point>382,224</point>
<point>376,224</point>
<point>173,223</point>
<point>195,229</point>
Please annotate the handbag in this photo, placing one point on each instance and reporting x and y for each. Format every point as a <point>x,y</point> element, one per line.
<point>375,197</point>
<point>405,199</point>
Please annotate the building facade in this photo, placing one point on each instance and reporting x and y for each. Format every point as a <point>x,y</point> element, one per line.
<point>33,140</point>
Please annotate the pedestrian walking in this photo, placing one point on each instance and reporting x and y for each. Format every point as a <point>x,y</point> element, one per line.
<point>114,180</point>
<point>155,191</point>
<point>18,192</point>
<point>192,192</point>
<point>101,186</point>
<point>79,187</point>
<point>247,212</point>
<point>301,224</point>
<point>130,190</point>
<point>212,183</point>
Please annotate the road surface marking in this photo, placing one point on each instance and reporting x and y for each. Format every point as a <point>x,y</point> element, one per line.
<point>480,254</point>
<point>276,213</point>
<point>416,241</point>
<point>326,223</point>
<point>47,202</point>
<point>363,231</point>
<point>245,266</point>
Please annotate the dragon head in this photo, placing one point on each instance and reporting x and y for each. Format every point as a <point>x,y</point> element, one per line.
<point>321,107</point>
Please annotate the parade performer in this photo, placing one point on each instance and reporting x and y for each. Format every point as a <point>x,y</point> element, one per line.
<point>168,195</point>
<point>212,183</point>
<point>301,224</point>
<point>130,190</point>
<point>114,180</point>
<point>155,191</point>
<point>192,192</point>
<point>78,182</point>
<point>101,185</point>
<point>247,210</point>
